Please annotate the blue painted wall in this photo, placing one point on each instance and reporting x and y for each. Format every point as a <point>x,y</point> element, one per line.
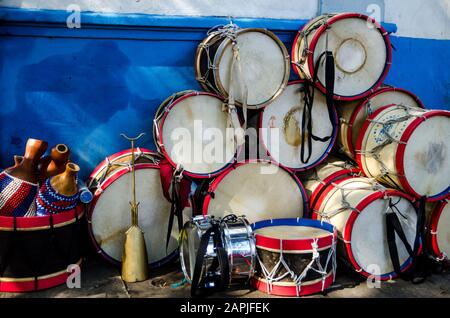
<point>85,86</point>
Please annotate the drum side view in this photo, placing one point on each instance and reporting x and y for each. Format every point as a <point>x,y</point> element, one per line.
<point>254,189</point>
<point>281,127</point>
<point>438,233</point>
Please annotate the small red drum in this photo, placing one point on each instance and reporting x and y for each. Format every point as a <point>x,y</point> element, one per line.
<point>259,190</point>
<point>407,148</point>
<point>191,130</point>
<point>361,50</point>
<point>281,131</point>
<point>317,179</point>
<point>295,257</point>
<point>109,212</point>
<point>353,114</point>
<point>357,207</point>
<point>438,230</point>
<point>261,70</point>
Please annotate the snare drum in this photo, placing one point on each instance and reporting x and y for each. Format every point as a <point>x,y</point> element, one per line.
<point>190,130</point>
<point>357,207</point>
<point>109,212</point>
<point>281,130</point>
<point>263,65</point>
<point>295,257</point>
<point>438,229</point>
<point>257,189</point>
<point>238,242</point>
<point>407,148</point>
<point>361,50</point>
<point>353,114</point>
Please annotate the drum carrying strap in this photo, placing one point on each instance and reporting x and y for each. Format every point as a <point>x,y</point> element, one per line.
<point>393,227</point>
<point>176,190</point>
<point>307,129</point>
<point>211,282</point>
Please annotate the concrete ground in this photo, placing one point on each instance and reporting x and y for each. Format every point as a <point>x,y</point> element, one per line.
<point>99,279</point>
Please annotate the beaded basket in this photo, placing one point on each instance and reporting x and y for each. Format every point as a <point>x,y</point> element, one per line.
<point>49,201</point>
<point>17,196</point>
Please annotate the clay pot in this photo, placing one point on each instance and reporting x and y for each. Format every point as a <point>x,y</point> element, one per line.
<point>55,163</point>
<point>59,193</point>
<point>17,160</point>
<point>18,184</point>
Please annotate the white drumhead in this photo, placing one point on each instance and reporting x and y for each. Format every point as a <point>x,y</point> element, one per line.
<point>282,124</point>
<point>427,156</point>
<point>443,230</point>
<point>359,52</point>
<point>368,238</point>
<point>263,63</point>
<point>111,216</point>
<point>376,101</point>
<point>286,232</point>
<point>260,191</point>
<point>194,134</point>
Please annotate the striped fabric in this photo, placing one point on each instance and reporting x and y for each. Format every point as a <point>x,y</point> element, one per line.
<point>17,197</point>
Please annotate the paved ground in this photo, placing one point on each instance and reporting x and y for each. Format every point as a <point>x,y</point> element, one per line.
<point>103,280</point>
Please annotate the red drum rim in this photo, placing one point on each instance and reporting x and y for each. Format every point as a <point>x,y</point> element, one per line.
<point>28,284</point>
<point>364,102</point>
<point>215,183</point>
<point>322,29</point>
<point>399,155</point>
<point>291,290</point>
<point>348,228</point>
<point>317,193</point>
<point>37,223</point>
<point>324,155</point>
<point>435,216</point>
<point>163,148</point>
<point>106,183</point>
<point>294,245</point>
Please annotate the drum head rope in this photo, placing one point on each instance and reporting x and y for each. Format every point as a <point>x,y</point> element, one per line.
<point>314,265</point>
<point>375,151</point>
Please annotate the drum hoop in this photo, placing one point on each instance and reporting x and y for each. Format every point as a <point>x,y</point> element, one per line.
<point>364,102</point>
<point>288,289</point>
<point>198,60</point>
<point>302,245</point>
<point>348,227</point>
<point>287,65</point>
<point>25,284</point>
<point>434,222</point>
<point>37,223</point>
<point>328,149</point>
<point>321,30</point>
<point>106,183</point>
<point>215,183</point>
<point>163,148</point>
<point>400,154</point>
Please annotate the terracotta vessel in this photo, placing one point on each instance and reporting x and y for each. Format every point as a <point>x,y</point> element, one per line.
<point>17,160</point>
<point>55,163</point>
<point>59,193</point>
<point>18,184</point>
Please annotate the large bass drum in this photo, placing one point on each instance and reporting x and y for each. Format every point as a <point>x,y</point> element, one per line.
<point>262,69</point>
<point>282,133</point>
<point>357,207</point>
<point>259,190</point>
<point>361,50</point>
<point>408,149</point>
<point>438,229</point>
<point>191,130</point>
<point>109,212</point>
<point>353,114</point>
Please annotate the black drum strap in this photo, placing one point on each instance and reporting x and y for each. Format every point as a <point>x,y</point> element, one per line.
<point>307,128</point>
<point>176,208</point>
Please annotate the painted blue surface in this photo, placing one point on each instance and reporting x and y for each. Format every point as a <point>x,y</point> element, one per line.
<point>85,86</point>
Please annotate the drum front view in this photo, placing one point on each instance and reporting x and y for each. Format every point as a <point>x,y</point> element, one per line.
<point>109,212</point>
<point>353,114</point>
<point>358,208</point>
<point>295,257</point>
<point>255,59</point>
<point>407,148</point>
<point>361,49</point>
<point>190,129</point>
<point>259,190</point>
<point>284,135</point>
